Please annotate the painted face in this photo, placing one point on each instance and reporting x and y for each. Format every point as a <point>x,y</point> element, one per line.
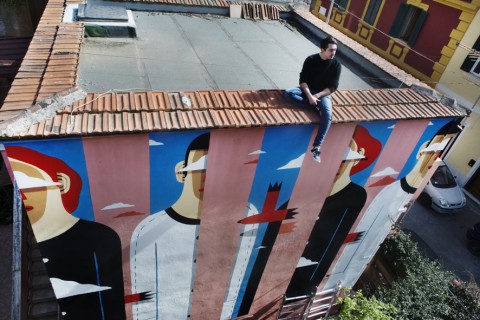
<point>330,52</point>
<point>347,165</point>
<point>196,178</point>
<point>35,198</point>
<point>426,156</point>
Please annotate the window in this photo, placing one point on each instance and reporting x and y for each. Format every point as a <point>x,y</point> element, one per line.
<point>476,68</point>
<point>443,178</point>
<point>372,11</point>
<point>472,62</point>
<point>341,5</point>
<point>408,23</point>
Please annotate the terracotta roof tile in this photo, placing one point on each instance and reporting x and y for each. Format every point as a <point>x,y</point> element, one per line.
<point>77,124</point>
<point>50,64</point>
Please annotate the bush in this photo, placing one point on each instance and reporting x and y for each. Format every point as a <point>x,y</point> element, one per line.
<point>423,290</point>
<point>358,307</point>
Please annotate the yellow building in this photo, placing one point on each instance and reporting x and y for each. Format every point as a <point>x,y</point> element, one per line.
<point>461,81</point>
<point>430,40</point>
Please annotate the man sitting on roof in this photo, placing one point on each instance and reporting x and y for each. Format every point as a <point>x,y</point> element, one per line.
<point>318,80</point>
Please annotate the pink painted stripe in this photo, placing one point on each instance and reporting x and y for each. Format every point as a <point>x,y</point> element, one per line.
<point>312,187</point>
<point>227,188</point>
<point>395,154</point>
<point>119,172</point>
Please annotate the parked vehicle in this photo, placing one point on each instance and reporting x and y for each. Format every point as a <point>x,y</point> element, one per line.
<point>473,239</point>
<point>443,193</point>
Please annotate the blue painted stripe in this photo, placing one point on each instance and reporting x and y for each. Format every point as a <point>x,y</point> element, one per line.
<point>329,244</point>
<point>99,284</point>
<point>156,282</point>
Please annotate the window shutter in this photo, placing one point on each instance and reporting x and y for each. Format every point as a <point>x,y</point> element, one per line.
<point>372,11</point>
<point>470,61</point>
<point>399,18</point>
<point>417,28</point>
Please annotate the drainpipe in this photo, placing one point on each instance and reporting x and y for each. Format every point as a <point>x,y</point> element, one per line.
<point>332,2</point>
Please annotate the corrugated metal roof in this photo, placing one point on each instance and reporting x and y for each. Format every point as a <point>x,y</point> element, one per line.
<point>146,111</point>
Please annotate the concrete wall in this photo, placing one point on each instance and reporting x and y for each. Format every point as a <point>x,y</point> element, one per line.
<point>219,223</point>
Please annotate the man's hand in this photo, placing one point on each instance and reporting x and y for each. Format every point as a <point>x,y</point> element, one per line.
<point>312,100</point>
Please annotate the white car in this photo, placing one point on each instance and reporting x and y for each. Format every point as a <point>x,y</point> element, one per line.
<point>443,193</point>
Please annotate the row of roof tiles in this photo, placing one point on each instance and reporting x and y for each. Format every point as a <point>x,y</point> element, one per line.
<point>50,64</point>
<point>234,99</point>
<point>135,112</point>
<point>11,55</point>
<point>260,11</point>
<point>210,3</point>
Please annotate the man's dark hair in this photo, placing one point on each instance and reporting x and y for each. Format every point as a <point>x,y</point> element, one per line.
<point>199,143</point>
<point>326,41</point>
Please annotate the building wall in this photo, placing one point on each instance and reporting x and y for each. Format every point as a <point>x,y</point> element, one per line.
<point>426,59</point>
<point>214,224</point>
<point>464,88</point>
<point>465,150</point>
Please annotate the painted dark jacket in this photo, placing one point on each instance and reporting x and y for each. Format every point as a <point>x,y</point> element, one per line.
<point>334,222</point>
<point>319,74</point>
<point>85,267</point>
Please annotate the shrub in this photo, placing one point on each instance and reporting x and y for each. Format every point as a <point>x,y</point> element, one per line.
<point>423,290</point>
<point>358,307</point>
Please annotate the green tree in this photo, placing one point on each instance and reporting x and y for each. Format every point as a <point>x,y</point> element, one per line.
<point>423,290</point>
<point>359,307</point>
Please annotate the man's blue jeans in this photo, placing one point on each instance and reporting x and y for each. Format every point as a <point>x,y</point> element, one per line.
<point>323,107</point>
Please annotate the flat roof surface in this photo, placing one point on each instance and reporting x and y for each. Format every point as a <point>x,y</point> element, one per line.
<point>177,52</point>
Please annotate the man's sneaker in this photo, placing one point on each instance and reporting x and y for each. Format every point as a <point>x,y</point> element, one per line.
<point>316,154</point>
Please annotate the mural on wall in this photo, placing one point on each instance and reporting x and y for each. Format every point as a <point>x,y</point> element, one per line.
<point>281,157</point>
<point>391,188</point>
<point>119,218</point>
<point>164,244</point>
<point>83,258</point>
<point>339,212</point>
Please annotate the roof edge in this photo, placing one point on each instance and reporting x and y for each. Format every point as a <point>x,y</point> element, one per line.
<point>43,110</point>
<point>449,102</point>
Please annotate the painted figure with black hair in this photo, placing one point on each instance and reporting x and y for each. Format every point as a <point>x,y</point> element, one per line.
<point>83,258</point>
<point>319,78</point>
<point>163,245</point>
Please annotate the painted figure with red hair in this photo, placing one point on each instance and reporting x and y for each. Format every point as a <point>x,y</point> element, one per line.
<point>338,214</point>
<point>83,258</point>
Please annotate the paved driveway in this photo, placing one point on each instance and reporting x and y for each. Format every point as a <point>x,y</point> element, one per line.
<point>443,236</point>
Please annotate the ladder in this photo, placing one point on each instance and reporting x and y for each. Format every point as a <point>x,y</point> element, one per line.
<point>317,306</point>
